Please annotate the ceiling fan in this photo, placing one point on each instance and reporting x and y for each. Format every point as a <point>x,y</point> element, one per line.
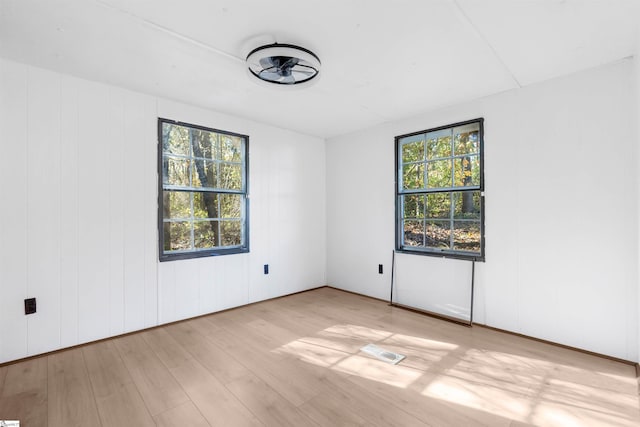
<point>283,64</point>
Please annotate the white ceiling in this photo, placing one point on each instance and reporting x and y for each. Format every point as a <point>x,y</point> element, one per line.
<point>381,60</point>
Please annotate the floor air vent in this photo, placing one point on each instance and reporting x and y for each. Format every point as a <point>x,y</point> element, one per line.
<point>382,354</point>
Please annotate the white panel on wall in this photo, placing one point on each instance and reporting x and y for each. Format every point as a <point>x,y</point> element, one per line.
<point>93,212</point>
<point>167,292</point>
<point>43,209</point>
<point>209,282</point>
<point>13,215</point>
<point>187,288</point>
<point>148,120</point>
<point>438,285</point>
<point>68,212</point>
<point>115,158</point>
<point>135,223</point>
<point>233,291</point>
<point>259,180</point>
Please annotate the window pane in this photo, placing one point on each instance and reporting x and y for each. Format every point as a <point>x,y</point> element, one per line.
<point>231,205</point>
<point>439,174</point>
<point>175,139</point>
<point>413,233</point>
<point>467,171</point>
<point>439,205</point>
<point>176,204</point>
<point>230,148</point>
<point>231,233</point>
<point>205,205</point>
<point>466,205</point>
<point>177,236</point>
<point>466,236</point>
<point>438,234</point>
<point>205,234</point>
<point>467,139</point>
<point>413,176</point>
<point>205,174</point>
<point>414,206</point>
<point>176,171</point>
<point>438,145</point>
<point>413,151</point>
<point>230,176</point>
<point>205,144</point>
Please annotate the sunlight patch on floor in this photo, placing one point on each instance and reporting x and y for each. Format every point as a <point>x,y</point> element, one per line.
<point>377,370</point>
<point>510,385</point>
<point>479,396</point>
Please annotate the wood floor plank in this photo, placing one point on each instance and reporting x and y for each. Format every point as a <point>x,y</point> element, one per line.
<point>186,415</point>
<point>285,376</point>
<point>159,390</point>
<point>203,325</point>
<point>106,369</point>
<point>165,347</point>
<point>217,404</point>
<point>118,400</point>
<point>124,407</point>
<point>222,365</point>
<point>70,396</point>
<point>269,406</point>
<point>24,395</point>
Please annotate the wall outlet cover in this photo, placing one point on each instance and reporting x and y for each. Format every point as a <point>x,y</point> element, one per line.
<point>29,306</point>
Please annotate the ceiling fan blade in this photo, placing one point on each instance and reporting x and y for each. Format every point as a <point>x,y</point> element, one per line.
<point>267,62</point>
<point>303,71</point>
<point>288,80</point>
<point>267,75</point>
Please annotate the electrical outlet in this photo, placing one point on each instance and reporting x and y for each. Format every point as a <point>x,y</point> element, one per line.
<point>29,306</point>
<point>266,269</point>
<point>379,268</point>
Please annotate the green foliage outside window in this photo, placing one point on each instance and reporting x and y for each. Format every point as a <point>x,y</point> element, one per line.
<point>203,190</point>
<point>440,190</point>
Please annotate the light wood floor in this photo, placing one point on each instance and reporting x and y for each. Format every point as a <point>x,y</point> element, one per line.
<point>296,361</point>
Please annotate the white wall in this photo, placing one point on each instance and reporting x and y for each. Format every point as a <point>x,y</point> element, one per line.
<point>561,210</point>
<point>78,209</point>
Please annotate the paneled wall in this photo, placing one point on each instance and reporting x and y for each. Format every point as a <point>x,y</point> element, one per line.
<point>561,211</point>
<point>78,215</point>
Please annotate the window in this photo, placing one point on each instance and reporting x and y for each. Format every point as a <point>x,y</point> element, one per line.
<point>439,191</point>
<point>203,202</point>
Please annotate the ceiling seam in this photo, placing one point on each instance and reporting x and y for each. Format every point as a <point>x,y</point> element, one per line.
<point>170,32</point>
<point>484,39</point>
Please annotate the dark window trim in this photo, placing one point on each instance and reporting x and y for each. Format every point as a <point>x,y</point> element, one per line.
<point>398,209</point>
<point>203,252</point>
